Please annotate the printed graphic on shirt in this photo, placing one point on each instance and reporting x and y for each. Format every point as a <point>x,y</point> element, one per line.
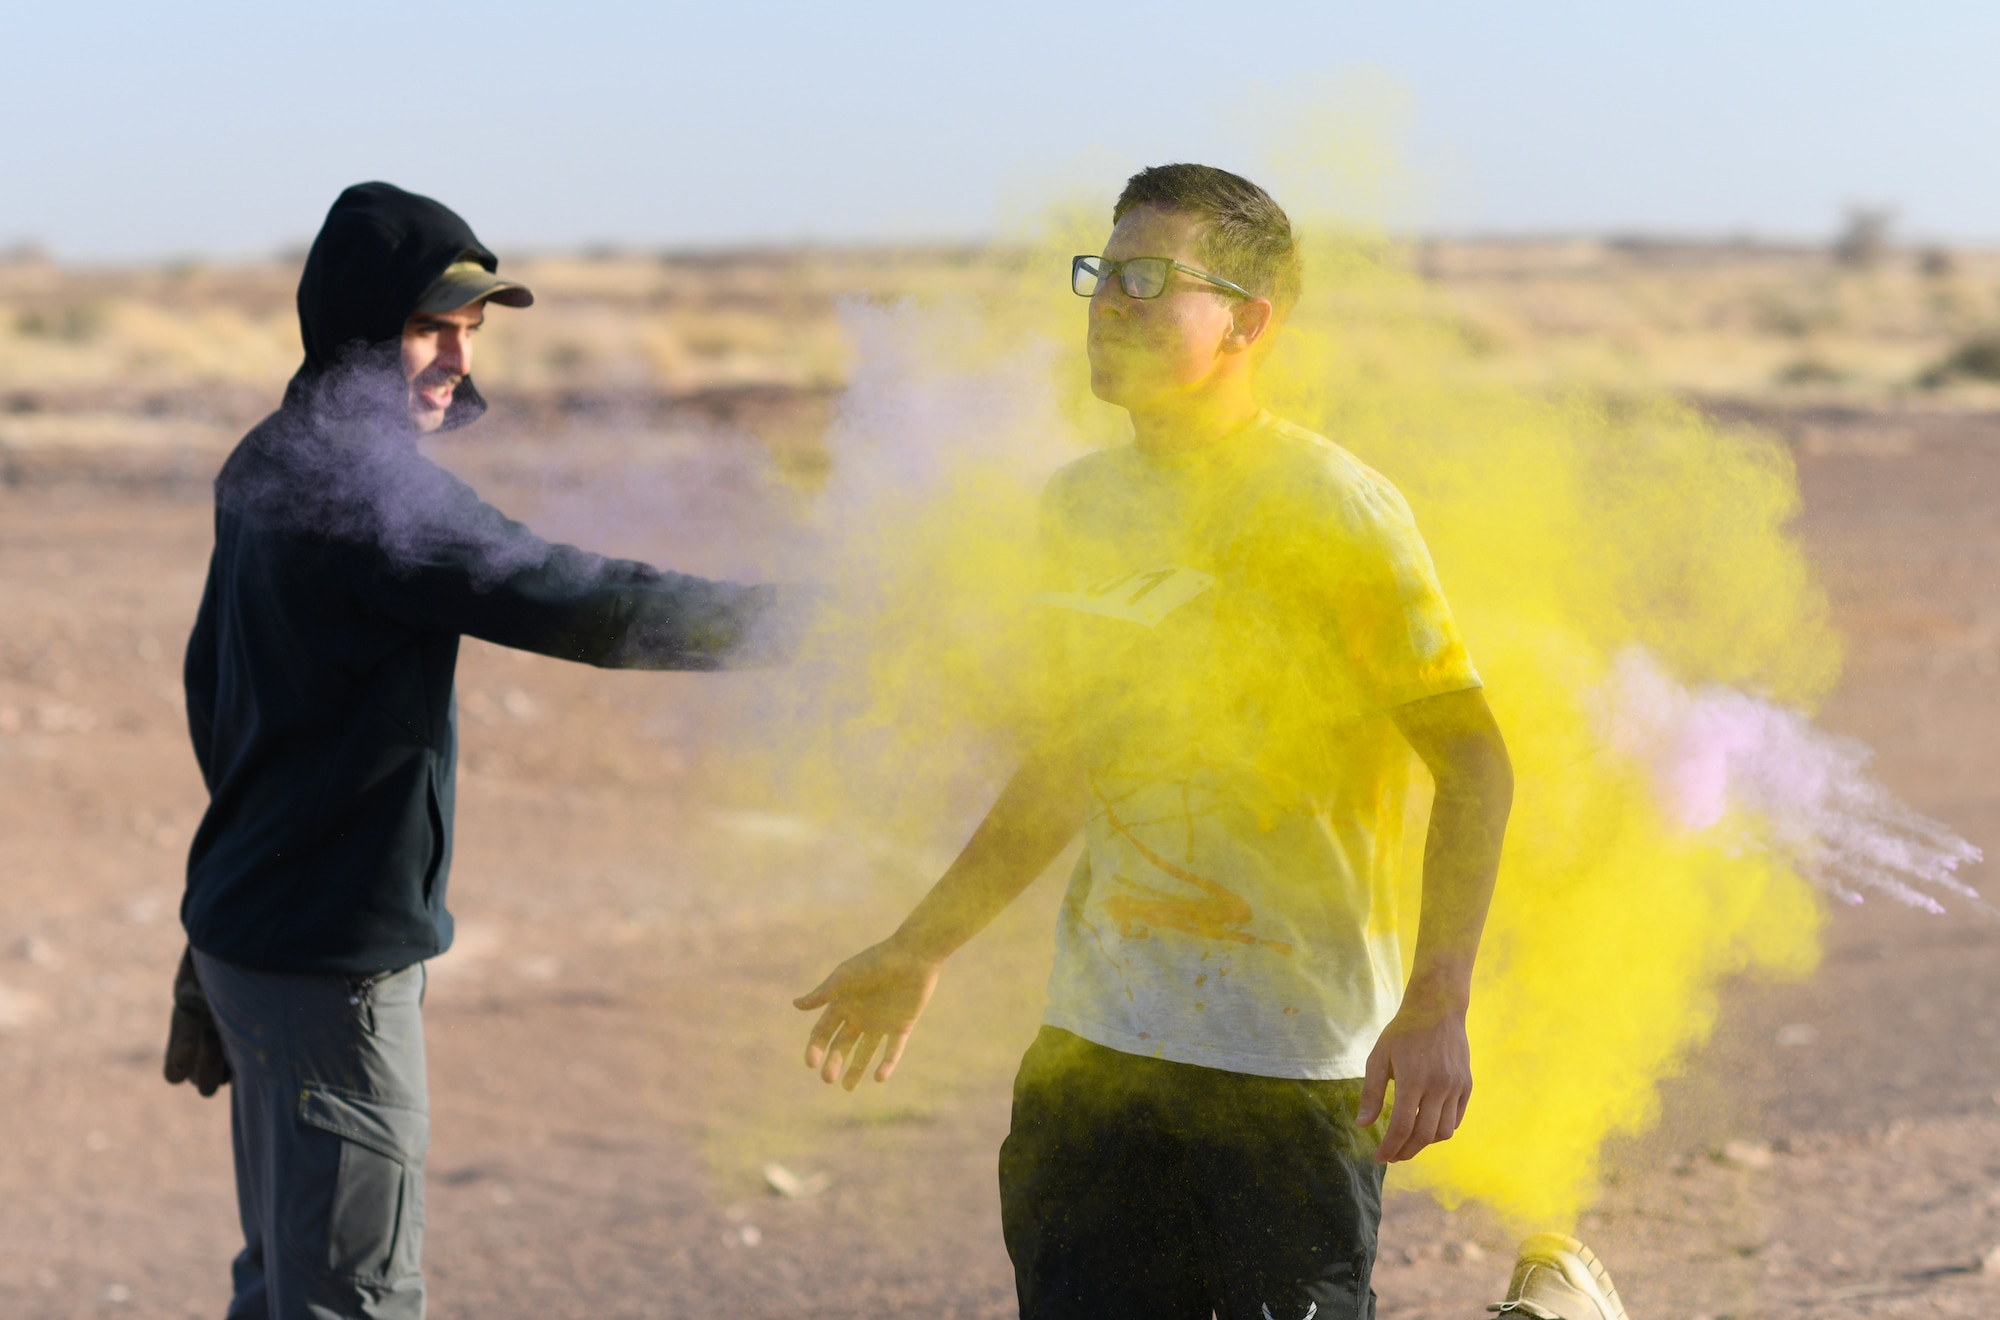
<point>1142,596</point>
<point>1211,912</point>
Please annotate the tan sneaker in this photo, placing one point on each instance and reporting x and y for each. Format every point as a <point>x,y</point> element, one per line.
<point>1557,1278</point>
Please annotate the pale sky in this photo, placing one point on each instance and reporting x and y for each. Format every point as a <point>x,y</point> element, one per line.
<point>218,129</point>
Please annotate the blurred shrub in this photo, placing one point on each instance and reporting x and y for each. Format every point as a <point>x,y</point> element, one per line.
<point>1864,239</point>
<point>1796,313</point>
<point>565,357</point>
<point>1810,371</point>
<point>1977,358</point>
<point>78,323</point>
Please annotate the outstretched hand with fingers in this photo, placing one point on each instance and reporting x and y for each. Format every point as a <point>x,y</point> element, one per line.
<point>1425,1052</point>
<point>872,1001</point>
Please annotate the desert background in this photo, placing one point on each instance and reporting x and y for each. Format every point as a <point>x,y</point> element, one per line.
<point>613,1053</point>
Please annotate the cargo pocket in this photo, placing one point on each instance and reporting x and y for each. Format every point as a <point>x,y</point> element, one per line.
<point>355,1205</point>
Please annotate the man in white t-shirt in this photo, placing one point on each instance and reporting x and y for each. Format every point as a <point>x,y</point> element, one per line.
<point>1247,641</point>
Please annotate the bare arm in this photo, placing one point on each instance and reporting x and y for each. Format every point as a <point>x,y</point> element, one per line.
<point>1424,1049</point>
<point>874,998</point>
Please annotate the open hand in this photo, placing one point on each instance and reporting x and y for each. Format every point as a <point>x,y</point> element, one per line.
<point>1424,1050</point>
<point>872,1000</point>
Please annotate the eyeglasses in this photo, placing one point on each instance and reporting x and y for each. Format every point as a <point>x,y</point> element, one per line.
<point>1140,277</point>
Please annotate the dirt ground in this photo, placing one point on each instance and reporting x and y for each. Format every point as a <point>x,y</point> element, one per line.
<point>612,1053</point>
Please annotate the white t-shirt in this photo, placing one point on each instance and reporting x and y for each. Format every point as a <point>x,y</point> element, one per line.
<point>1230,627</point>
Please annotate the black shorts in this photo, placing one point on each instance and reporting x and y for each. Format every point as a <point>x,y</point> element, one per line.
<point>1136,1187</point>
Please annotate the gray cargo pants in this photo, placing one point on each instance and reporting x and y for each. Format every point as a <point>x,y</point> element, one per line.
<point>330,1116</point>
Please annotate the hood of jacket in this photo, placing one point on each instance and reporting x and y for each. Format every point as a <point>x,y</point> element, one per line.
<point>378,251</point>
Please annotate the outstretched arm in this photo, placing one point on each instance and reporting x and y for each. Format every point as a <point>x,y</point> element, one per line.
<point>872,1001</point>
<point>1424,1049</point>
<point>468,568</point>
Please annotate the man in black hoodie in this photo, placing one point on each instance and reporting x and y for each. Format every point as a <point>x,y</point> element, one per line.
<point>319,696</point>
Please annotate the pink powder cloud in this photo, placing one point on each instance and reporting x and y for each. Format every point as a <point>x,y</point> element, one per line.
<point>1719,758</point>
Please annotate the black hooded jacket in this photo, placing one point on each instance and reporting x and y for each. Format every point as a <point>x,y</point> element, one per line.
<point>346,568</point>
